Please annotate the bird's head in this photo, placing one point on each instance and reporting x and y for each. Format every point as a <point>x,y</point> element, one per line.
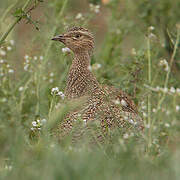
<point>77,39</point>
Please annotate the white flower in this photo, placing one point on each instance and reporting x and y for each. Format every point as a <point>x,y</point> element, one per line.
<point>96,66</point>
<point>178,90</point>
<point>11,70</point>
<point>32,129</point>
<point>116,101</point>
<point>90,68</point>
<point>9,48</point>
<point>79,16</point>
<point>133,51</point>
<point>26,67</point>
<point>26,57</point>
<point>151,36</point>
<point>8,167</point>
<point>167,112</point>
<point>60,93</point>
<point>165,90</point>
<point>147,126</point>
<point>94,8</point>
<point>2,61</point>
<point>35,58</point>
<point>132,122</point>
<point>157,88</point>
<point>21,88</point>
<point>167,125</point>
<point>34,123</point>
<point>126,118</point>
<point>66,49</point>
<point>125,136</point>
<point>172,90</point>
<point>11,42</point>
<point>27,60</point>
<point>55,90</point>
<point>51,80</point>
<point>123,102</point>
<point>177,108</point>
<point>51,74</point>
<point>4,99</point>
<point>2,52</point>
<point>164,64</point>
<point>99,66</point>
<point>41,58</point>
<point>166,68</point>
<point>144,114</point>
<point>151,28</point>
<point>143,107</point>
<point>154,110</point>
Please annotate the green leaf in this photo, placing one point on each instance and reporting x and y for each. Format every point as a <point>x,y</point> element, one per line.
<point>18,12</point>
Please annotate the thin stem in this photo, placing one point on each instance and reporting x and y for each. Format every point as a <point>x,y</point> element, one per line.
<point>149,80</point>
<point>168,73</point>
<point>7,11</point>
<point>11,27</point>
<point>54,31</point>
<point>169,70</point>
<point>51,106</point>
<point>149,94</point>
<point>47,54</point>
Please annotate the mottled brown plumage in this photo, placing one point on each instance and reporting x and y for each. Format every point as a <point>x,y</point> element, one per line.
<point>110,106</point>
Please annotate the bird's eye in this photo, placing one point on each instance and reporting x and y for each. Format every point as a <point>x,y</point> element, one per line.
<point>78,36</point>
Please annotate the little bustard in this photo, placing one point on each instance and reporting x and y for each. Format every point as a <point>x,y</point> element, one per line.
<point>112,107</point>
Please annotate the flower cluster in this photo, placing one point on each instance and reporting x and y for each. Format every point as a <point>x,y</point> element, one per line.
<point>163,63</point>
<point>128,135</point>
<point>133,51</point>
<point>66,50</point>
<point>37,124</point>
<point>3,50</point>
<point>151,28</point>
<point>5,68</point>
<point>94,8</point>
<point>79,16</point>
<point>29,61</point>
<point>151,35</point>
<point>171,90</point>
<point>55,91</point>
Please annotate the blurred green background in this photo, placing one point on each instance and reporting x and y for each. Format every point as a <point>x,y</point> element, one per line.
<point>136,49</point>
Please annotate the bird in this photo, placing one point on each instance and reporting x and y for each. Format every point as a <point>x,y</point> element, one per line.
<point>111,107</point>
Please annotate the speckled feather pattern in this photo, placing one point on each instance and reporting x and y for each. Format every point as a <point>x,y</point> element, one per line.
<point>101,102</point>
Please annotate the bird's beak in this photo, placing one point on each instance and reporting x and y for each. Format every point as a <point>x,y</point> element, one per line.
<point>58,38</point>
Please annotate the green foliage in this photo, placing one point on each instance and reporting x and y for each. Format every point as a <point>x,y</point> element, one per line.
<point>139,54</point>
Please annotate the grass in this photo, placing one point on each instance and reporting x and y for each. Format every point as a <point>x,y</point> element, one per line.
<point>137,47</point>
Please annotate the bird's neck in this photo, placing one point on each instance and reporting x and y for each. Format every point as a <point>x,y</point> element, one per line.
<point>80,78</point>
<point>81,60</point>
